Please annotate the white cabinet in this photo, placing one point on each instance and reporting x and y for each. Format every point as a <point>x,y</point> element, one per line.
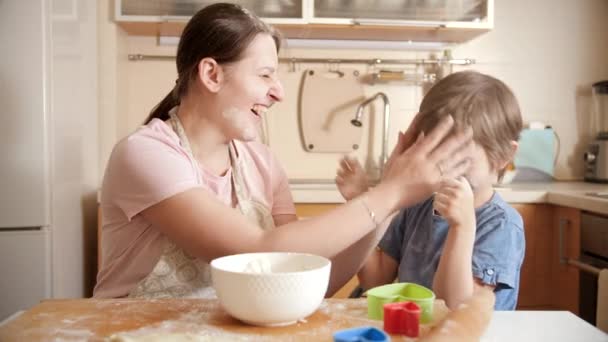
<point>450,21</point>
<point>422,13</point>
<point>274,11</point>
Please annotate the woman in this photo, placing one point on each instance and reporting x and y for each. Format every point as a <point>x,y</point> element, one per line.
<point>192,185</point>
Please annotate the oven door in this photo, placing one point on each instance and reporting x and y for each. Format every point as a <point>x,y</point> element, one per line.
<point>594,253</point>
<point>588,288</point>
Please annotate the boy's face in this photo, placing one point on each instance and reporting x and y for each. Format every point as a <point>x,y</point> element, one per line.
<point>481,174</point>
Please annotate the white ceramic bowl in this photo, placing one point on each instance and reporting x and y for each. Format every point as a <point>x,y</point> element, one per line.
<point>293,289</point>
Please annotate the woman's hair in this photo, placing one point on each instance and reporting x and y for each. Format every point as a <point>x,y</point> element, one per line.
<point>480,101</point>
<point>220,31</point>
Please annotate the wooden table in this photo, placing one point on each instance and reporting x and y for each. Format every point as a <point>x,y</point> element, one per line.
<point>97,320</point>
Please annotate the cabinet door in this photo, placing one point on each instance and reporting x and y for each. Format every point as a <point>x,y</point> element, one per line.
<point>404,12</point>
<point>25,263</point>
<point>305,210</point>
<point>157,11</point>
<point>536,269</point>
<point>565,278</point>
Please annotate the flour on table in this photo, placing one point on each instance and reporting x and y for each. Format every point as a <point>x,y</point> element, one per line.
<point>160,337</point>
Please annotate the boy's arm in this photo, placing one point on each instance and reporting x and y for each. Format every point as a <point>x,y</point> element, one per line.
<point>379,269</point>
<point>352,259</point>
<point>453,281</point>
<point>381,265</point>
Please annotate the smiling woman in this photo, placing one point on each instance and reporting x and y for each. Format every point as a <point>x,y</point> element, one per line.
<point>192,184</point>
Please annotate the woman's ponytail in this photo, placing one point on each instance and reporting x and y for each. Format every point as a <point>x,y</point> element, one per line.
<point>161,111</point>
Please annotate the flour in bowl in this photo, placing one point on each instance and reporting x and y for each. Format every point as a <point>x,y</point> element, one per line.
<point>260,265</point>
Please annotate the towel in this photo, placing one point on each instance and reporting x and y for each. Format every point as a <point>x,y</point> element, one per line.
<point>602,301</point>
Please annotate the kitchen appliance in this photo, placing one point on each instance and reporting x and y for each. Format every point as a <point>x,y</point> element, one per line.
<point>48,145</point>
<point>596,157</point>
<point>594,254</point>
<point>535,158</point>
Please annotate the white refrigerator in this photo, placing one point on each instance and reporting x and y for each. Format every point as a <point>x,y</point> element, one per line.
<point>43,49</point>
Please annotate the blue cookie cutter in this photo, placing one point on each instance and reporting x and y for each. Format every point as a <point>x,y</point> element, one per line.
<point>361,334</point>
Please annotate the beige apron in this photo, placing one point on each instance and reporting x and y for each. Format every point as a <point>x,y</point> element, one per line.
<point>178,274</point>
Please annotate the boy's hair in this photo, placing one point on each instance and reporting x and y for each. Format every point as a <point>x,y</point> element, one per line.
<point>480,101</point>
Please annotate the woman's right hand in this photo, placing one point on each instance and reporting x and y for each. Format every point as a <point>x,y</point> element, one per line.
<point>415,169</point>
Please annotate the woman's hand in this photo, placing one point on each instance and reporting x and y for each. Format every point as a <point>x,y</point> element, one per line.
<point>415,170</point>
<point>454,201</point>
<point>351,179</point>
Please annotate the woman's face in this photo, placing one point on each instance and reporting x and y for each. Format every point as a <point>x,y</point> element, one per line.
<point>251,87</point>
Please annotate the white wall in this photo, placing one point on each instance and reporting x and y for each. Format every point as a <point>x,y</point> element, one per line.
<point>74,145</point>
<point>549,52</point>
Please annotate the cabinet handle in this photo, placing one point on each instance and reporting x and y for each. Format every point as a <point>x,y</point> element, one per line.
<point>562,224</point>
<point>389,22</point>
<point>565,260</point>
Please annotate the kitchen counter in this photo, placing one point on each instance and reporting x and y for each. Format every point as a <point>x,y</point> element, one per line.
<point>568,194</point>
<point>203,319</point>
<point>200,319</point>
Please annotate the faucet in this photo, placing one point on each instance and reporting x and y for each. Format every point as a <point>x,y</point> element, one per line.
<point>387,113</point>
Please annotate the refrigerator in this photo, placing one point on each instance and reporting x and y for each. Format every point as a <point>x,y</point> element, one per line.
<point>45,169</point>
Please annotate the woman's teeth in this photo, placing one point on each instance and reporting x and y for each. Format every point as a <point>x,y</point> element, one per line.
<point>258,110</point>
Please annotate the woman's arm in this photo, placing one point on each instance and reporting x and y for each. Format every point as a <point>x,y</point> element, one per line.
<point>204,227</point>
<point>200,224</point>
<point>379,269</point>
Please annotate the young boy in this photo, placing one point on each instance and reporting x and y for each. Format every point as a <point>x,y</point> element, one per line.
<point>466,235</point>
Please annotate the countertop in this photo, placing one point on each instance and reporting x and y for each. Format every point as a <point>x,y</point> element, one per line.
<point>203,319</point>
<point>200,319</point>
<point>568,194</point>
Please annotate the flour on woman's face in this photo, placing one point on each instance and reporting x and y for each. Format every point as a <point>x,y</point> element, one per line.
<point>244,125</point>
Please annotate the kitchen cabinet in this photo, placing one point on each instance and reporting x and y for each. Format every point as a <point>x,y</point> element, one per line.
<point>535,273</point>
<point>546,282</point>
<point>427,21</point>
<point>304,210</point>
<point>565,278</point>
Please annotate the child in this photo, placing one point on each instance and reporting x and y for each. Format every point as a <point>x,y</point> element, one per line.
<point>466,235</point>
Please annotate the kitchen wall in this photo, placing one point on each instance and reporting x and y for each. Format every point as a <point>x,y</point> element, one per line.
<point>549,52</point>
<point>73,147</point>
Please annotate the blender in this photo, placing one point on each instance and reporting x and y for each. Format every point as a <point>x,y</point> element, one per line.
<point>596,157</point>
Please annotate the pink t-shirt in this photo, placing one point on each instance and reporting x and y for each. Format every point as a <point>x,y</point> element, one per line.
<point>149,166</point>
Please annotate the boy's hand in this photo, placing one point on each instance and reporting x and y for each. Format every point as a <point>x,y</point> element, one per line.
<point>351,178</point>
<point>454,201</point>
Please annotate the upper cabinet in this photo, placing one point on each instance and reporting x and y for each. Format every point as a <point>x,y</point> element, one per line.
<point>182,10</point>
<point>450,21</point>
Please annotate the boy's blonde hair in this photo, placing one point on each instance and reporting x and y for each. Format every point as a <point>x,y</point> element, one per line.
<point>480,101</point>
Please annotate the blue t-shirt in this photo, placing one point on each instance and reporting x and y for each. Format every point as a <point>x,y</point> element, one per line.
<point>415,239</point>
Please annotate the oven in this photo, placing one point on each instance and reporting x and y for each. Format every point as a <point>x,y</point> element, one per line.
<point>594,257</point>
